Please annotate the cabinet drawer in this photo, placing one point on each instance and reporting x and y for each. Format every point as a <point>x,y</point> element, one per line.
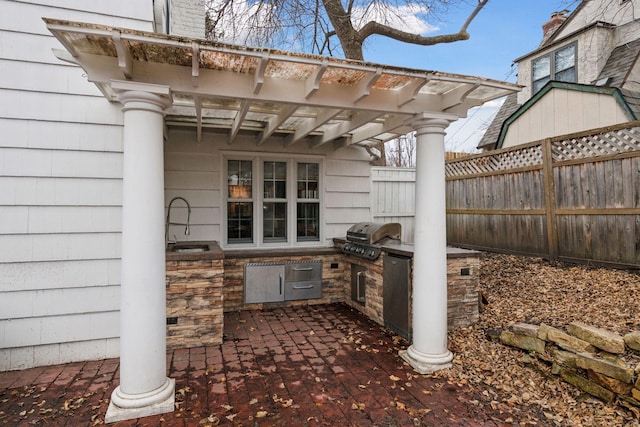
<point>303,271</point>
<point>302,290</point>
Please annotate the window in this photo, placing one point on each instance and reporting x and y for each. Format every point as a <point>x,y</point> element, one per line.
<point>240,201</point>
<point>308,204</point>
<point>287,204</point>
<point>275,201</point>
<point>559,65</point>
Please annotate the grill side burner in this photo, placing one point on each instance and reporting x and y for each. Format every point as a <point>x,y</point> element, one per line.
<point>365,238</point>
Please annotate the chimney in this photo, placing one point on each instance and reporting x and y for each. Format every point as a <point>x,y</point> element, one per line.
<point>549,27</point>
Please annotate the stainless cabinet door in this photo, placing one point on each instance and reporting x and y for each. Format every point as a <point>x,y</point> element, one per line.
<point>263,283</point>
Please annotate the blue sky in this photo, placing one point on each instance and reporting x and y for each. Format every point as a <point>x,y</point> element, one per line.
<point>503,31</point>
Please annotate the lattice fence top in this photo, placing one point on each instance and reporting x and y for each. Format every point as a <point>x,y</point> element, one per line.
<point>609,141</point>
<point>601,144</point>
<point>505,160</point>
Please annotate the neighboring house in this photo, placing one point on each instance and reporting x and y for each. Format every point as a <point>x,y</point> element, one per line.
<point>584,75</point>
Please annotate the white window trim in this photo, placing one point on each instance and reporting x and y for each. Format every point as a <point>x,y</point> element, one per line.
<point>552,60</point>
<point>257,172</point>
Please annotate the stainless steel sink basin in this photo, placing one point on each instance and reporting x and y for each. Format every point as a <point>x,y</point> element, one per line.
<point>188,247</point>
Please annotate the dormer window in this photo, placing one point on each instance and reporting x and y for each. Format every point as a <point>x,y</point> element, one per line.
<point>558,65</point>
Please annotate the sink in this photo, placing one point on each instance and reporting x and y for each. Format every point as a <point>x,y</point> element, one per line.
<point>188,247</point>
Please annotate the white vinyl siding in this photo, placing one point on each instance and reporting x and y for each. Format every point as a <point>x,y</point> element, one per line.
<point>61,180</point>
<point>195,170</point>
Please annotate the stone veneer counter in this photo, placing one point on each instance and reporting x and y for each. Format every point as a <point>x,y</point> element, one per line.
<point>463,283</point>
<point>194,284</point>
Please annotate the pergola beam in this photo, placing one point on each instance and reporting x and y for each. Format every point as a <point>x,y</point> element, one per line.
<point>125,62</point>
<point>237,121</point>
<point>457,96</point>
<point>197,103</point>
<point>312,83</point>
<point>195,63</point>
<point>364,86</point>
<point>275,123</point>
<point>311,125</point>
<point>358,119</point>
<point>258,77</point>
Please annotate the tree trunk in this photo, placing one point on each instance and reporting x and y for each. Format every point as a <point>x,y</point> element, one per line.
<point>350,39</point>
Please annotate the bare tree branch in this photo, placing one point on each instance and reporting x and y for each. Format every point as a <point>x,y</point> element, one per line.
<point>372,27</point>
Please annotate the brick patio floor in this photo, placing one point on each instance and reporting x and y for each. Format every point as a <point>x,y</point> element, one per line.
<point>316,365</point>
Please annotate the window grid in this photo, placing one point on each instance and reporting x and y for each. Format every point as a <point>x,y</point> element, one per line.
<point>240,201</point>
<point>274,215</point>
<point>557,65</point>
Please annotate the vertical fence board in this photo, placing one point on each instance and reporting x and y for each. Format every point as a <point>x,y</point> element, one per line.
<point>576,197</point>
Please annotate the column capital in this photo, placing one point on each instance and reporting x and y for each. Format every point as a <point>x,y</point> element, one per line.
<point>423,123</point>
<point>142,96</point>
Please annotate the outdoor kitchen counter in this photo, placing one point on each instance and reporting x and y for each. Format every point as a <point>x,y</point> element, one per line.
<point>279,253</point>
<point>463,284</point>
<point>194,295</point>
<point>212,251</point>
<point>405,249</point>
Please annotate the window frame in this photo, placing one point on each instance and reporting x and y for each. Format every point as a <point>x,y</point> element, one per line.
<point>552,66</point>
<point>258,199</point>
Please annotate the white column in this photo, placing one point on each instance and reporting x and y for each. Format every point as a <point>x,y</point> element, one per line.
<point>144,387</point>
<point>428,351</point>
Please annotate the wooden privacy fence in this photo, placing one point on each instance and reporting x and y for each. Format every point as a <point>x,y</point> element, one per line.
<point>393,191</point>
<point>574,198</point>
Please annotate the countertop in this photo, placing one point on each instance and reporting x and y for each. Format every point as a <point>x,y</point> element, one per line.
<point>213,251</point>
<point>406,249</point>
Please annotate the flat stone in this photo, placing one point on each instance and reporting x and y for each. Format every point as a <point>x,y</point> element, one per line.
<point>587,386</point>
<point>568,342</point>
<point>606,367</point>
<point>522,341</point>
<point>601,338</point>
<point>632,340</point>
<point>628,401</point>
<point>543,331</point>
<point>565,358</point>
<point>525,329</point>
<point>635,393</point>
<point>616,386</point>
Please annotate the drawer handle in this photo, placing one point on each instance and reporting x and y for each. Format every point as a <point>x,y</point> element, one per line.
<point>303,287</point>
<point>302,269</point>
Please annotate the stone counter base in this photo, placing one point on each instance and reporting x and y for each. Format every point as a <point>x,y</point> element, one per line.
<point>194,303</point>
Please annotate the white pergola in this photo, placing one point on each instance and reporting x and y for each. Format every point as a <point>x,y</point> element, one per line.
<point>292,98</point>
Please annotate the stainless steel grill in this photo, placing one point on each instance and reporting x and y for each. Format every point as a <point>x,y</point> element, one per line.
<point>365,239</point>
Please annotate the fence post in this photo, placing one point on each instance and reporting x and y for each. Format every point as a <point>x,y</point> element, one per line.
<point>550,199</point>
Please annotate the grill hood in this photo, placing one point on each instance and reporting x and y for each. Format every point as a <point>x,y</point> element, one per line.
<point>372,232</point>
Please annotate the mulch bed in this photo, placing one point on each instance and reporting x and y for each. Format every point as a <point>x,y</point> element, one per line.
<point>532,290</point>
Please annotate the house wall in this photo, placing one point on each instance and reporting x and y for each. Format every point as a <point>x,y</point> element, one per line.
<point>561,112</point>
<point>613,12</point>
<point>194,170</point>
<point>61,181</point>
<point>590,61</point>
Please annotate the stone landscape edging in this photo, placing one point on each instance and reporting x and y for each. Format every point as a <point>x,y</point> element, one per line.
<point>585,356</point>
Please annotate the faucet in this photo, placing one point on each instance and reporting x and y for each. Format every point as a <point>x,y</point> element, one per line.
<point>168,222</point>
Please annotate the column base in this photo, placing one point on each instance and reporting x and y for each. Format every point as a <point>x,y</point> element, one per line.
<point>426,363</point>
<point>129,406</point>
